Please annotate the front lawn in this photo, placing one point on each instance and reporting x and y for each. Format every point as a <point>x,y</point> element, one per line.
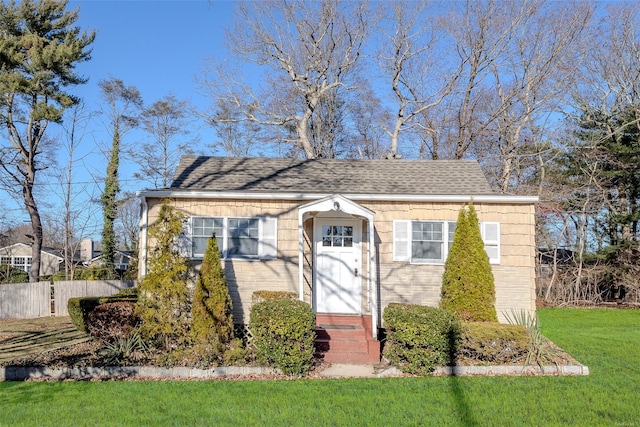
<point>605,340</point>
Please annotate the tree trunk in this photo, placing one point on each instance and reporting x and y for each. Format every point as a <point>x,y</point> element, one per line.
<point>36,239</point>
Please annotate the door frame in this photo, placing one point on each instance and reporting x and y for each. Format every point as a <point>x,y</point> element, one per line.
<point>356,253</point>
<point>339,203</point>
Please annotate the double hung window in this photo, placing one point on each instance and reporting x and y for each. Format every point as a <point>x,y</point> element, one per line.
<point>428,242</point>
<point>248,238</point>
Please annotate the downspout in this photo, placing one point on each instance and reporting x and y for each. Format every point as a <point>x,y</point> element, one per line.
<point>142,263</point>
<point>372,282</point>
<point>300,257</point>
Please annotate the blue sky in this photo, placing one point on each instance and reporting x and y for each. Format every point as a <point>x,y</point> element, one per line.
<point>157,46</point>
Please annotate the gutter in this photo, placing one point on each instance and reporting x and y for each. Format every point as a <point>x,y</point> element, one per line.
<point>186,194</point>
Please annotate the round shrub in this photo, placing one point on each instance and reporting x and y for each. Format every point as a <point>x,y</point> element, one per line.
<point>493,342</point>
<point>113,320</point>
<point>283,334</point>
<point>420,338</point>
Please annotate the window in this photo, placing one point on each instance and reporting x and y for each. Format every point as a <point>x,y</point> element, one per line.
<point>243,237</point>
<point>337,235</point>
<point>248,238</point>
<point>428,242</point>
<point>20,262</point>
<point>202,229</point>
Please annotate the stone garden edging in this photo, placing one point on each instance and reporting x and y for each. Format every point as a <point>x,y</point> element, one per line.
<point>23,373</point>
<point>512,370</point>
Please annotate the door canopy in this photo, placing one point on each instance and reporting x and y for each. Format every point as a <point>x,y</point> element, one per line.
<point>336,203</point>
<point>339,203</point>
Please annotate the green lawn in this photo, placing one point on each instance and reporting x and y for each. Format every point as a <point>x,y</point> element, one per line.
<point>608,341</point>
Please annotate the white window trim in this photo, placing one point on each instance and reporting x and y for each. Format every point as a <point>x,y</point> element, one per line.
<point>402,230</point>
<point>26,266</point>
<point>267,238</point>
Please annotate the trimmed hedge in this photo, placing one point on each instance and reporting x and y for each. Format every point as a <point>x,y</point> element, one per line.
<point>111,321</point>
<point>259,296</point>
<point>79,308</point>
<point>494,343</point>
<point>283,334</point>
<point>420,338</point>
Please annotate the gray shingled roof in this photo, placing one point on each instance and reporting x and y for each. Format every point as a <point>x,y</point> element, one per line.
<point>330,176</point>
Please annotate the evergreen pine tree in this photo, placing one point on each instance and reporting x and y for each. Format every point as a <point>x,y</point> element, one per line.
<point>468,288</point>
<point>163,294</point>
<point>212,321</point>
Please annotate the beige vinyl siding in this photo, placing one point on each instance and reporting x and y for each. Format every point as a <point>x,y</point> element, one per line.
<point>399,281</point>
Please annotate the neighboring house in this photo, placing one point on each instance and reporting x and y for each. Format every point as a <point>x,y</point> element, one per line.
<point>89,256</point>
<point>349,236</point>
<point>18,256</point>
<point>121,260</point>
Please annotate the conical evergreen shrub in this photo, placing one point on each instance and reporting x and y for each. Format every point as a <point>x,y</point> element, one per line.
<point>212,321</point>
<point>468,288</point>
<point>163,295</point>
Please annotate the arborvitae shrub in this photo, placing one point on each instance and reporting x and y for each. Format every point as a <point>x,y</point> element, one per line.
<point>163,295</point>
<point>420,338</point>
<point>493,342</point>
<point>212,322</point>
<point>283,334</point>
<point>468,288</point>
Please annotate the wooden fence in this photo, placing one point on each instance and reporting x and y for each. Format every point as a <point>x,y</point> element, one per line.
<point>25,300</point>
<point>29,300</point>
<point>62,291</point>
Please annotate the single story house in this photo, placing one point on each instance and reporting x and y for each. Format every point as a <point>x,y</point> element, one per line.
<point>122,260</point>
<point>19,256</point>
<point>348,236</point>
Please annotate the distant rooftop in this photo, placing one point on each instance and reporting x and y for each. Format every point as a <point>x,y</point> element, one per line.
<point>322,176</point>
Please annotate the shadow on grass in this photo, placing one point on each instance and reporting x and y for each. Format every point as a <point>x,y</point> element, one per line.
<point>26,343</point>
<point>463,409</point>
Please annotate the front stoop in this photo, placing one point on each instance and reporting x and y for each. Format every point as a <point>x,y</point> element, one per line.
<point>346,339</point>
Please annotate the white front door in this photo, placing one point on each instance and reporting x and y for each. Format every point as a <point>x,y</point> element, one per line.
<point>338,266</point>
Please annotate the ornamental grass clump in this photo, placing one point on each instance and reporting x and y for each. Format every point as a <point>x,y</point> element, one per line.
<point>283,334</point>
<point>468,287</point>
<point>419,338</point>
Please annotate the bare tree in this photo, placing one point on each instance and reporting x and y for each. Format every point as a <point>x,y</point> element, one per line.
<point>128,223</point>
<point>309,49</point>
<point>531,84</point>
<point>413,62</point>
<point>236,137</point>
<point>165,120</point>
<point>76,221</point>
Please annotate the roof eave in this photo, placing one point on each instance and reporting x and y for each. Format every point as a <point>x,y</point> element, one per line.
<point>202,194</point>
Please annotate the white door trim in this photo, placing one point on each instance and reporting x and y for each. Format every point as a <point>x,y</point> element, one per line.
<point>337,272</point>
